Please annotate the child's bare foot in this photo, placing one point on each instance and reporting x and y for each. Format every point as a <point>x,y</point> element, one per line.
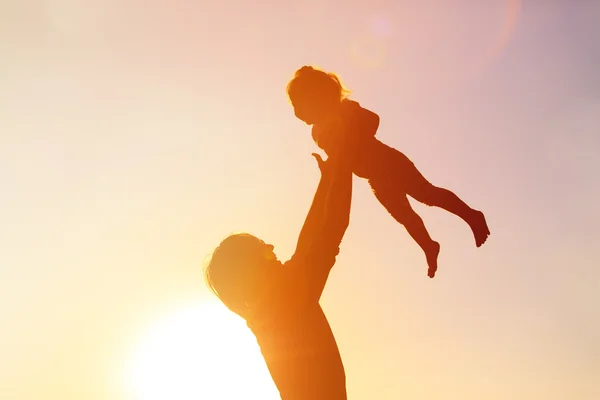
<point>479,227</point>
<point>432,256</point>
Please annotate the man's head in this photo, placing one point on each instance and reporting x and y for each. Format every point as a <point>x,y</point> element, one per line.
<point>239,269</point>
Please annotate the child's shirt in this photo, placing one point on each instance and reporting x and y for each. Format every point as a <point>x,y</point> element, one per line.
<point>357,127</point>
<point>352,123</point>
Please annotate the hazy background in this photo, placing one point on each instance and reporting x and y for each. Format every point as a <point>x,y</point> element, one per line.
<point>135,135</point>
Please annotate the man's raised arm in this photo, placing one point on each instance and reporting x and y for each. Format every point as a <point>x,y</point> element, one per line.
<point>326,222</point>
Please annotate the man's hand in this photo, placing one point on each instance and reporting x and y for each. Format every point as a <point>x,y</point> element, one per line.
<point>326,166</point>
<point>320,162</point>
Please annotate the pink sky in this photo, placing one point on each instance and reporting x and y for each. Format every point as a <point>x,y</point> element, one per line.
<point>135,135</point>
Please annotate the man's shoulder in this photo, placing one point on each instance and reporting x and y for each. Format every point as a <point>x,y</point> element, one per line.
<point>284,300</point>
<point>321,251</point>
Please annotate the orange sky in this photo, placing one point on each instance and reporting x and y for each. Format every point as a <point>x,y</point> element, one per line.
<point>135,135</point>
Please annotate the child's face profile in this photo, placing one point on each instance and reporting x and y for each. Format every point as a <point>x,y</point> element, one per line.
<point>305,109</point>
<point>310,110</point>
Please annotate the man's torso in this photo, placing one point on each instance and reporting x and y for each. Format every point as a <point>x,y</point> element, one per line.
<point>300,350</point>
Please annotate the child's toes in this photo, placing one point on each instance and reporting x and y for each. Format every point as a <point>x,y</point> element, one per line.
<point>480,229</point>
<point>432,259</point>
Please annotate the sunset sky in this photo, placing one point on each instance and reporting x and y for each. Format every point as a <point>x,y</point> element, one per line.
<point>135,135</point>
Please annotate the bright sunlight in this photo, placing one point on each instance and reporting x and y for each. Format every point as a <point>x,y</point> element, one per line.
<point>202,351</point>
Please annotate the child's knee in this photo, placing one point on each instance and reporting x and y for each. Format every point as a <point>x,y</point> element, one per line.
<point>404,215</point>
<point>426,194</point>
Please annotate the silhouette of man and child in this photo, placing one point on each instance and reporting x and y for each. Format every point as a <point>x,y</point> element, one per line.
<point>280,301</point>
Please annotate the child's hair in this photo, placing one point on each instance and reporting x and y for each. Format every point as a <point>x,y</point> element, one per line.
<point>308,81</point>
<point>226,273</point>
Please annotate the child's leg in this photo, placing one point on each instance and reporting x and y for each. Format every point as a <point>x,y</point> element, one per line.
<point>423,191</point>
<point>398,206</point>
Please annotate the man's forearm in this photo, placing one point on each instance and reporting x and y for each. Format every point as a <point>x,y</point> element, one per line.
<point>338,201</point>
<point>316,213</point>
<point>321,243</point>
<point>329,214</point>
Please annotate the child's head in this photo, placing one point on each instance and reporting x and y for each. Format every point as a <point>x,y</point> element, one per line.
<point>238,271</point>
<point>315,94</point>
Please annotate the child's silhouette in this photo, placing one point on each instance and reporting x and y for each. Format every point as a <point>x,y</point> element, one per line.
<point>320,100</point>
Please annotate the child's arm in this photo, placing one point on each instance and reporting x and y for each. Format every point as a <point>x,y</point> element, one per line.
<point>366,122</point>
<point>328,135</point>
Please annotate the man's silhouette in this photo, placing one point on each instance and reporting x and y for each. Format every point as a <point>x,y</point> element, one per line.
<point>280,301</point>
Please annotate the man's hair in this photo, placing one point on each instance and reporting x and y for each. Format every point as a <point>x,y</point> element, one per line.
<point>227,273</point>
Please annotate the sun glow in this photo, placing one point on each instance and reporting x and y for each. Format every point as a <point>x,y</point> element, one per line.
<point>202,351</point>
